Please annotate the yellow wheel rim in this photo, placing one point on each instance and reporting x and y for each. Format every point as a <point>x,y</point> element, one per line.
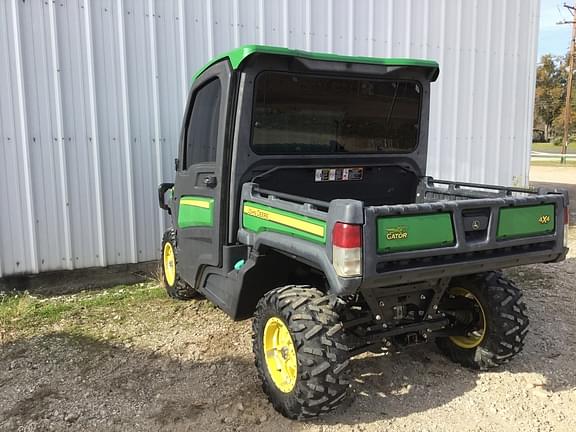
<point>280,355</point>
<point>476,336</point>
<point>169,263</point>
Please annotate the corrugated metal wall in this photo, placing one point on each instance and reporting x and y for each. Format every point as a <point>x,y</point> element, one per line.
<point>92,92</point>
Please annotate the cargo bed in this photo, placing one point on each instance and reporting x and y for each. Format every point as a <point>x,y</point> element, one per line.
<point>452,229</point>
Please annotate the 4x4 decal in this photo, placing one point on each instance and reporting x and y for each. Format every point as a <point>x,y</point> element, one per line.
<point>544,219</point>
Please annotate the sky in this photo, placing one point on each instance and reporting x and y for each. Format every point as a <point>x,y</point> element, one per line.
<point>553,38</point>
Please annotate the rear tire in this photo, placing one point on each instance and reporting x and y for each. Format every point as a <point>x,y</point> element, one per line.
<point>505,322</point>
<point>317,382</point>
<point>175,286</point>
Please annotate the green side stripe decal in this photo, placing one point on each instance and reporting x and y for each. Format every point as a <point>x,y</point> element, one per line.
<point>526,221</point>
<point>195,211</point>
<point>401,233</point>
<point>259,218</point>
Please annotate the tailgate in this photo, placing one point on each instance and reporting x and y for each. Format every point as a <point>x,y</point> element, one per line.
<point>460,236</point>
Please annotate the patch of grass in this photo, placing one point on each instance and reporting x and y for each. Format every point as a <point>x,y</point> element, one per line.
<point>553,163</point>
<point>551,148</point>
<point>25,313</point>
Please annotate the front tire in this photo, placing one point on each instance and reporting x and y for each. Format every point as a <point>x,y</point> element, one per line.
<point>500,324</point>
<point>299,351</point>
<point>176,287</point>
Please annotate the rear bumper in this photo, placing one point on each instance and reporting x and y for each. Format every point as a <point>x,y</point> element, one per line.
<point>419,271</point>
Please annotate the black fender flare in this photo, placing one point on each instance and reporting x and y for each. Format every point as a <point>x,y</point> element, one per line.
<point>309,253</point>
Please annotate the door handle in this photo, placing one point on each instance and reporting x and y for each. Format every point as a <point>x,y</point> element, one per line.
<point>210,181</point>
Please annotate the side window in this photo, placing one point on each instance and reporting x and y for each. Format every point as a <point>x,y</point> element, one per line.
<point>202,129</point>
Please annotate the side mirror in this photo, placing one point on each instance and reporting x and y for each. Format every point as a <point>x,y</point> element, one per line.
<point>161,193</point>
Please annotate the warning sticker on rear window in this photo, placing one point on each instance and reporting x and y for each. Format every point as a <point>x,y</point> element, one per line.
<point>338,174</point>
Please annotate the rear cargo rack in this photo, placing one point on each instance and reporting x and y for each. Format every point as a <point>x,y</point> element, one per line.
<point>431,191</point>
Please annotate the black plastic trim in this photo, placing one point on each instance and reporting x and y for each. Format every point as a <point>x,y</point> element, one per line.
<point>162,189</point>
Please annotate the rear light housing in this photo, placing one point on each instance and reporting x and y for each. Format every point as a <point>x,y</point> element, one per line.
<point>347,249</point>
<point>566,224</point>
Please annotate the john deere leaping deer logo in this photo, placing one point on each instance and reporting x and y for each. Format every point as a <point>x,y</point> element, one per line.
<point>544,219</point>
<point>398,233</point>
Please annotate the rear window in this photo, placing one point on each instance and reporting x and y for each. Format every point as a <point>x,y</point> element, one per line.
<point>307,114</point>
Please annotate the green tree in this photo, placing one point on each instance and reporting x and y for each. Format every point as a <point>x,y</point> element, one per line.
<point>550,93</point>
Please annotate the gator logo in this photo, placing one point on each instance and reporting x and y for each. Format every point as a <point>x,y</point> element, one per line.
<point>398,233</point>
<point>544,219</point>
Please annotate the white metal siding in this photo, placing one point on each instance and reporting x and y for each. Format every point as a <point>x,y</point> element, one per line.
<point>92,93</point>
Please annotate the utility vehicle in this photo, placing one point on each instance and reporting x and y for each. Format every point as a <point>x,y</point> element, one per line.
<point>301,200</point>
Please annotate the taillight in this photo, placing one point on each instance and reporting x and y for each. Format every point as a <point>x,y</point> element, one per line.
<point>566,223</point>
<point>347,249</point>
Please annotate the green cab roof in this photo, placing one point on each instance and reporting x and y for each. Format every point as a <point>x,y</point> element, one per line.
<point>238,55</point>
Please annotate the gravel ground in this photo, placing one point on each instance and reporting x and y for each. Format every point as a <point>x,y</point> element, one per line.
<point>166,365</point>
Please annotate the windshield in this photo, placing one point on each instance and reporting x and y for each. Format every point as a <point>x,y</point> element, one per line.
<point>320,114</point>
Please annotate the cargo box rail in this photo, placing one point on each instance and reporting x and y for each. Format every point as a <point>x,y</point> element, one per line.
<point>431,189</point>
<point>289,197</point>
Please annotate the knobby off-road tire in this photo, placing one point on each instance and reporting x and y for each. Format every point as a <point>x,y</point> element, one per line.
<point>175,286</point>
<point>322,378</point>
<point>505,318</point>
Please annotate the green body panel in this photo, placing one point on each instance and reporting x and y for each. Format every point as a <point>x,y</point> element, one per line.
<point>401,233</point>
<point>293,224</point>
<point>199,215</point>
<point>238,55</point>
<point>526,221</point>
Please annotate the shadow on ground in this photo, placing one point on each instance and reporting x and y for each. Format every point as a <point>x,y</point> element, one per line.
<point>73,281</point>
<point>63,379</point>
